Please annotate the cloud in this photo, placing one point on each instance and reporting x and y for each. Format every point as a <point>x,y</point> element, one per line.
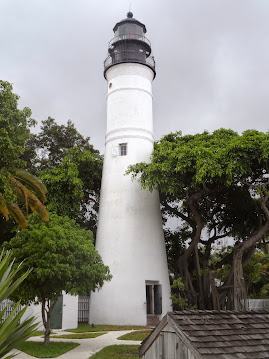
<point>212,61</point>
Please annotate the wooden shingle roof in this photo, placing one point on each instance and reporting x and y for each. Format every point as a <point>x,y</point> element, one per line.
<point>225,334</point>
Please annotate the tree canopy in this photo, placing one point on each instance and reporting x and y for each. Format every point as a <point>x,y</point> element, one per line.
<point>63,258</point>
<point>208,181</point>
<point>48,148</point>
<point>15,184</point>
<point>71,169</point>
<point>14,131</point>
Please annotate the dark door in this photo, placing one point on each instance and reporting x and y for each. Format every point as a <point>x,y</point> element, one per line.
<point>157,299</point>
<point>56,315</point>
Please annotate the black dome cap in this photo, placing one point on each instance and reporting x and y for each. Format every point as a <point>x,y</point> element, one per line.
<point>131,20</point>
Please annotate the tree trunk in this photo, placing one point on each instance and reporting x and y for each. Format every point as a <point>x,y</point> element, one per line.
<point>239,289</point>
<point>47,331</point>
<point>46,315</point>
<point>201,301</point>
<point>206,277</point>
<point>214,291</point>
<point>186,280</point>
<point>183,260</point>
<point>46,322</point>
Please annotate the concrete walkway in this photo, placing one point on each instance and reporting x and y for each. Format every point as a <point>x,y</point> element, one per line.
<point>87,347</point>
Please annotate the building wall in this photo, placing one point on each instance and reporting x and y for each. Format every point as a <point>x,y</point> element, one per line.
<point>69,313</point>
<point>34,311</point>
<point>130,235</point>
<point>168,345</point>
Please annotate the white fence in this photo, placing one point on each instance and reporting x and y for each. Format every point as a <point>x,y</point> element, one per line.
<point>257,304</point>
<point>8,304</point>
<point>83,309</point>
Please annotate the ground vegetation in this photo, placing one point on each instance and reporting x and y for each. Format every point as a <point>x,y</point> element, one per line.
<point>118,352</point>
<point>14,330</point>
<point>40,350</point>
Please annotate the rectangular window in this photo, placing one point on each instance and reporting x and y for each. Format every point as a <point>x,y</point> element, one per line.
<point>123,149</point>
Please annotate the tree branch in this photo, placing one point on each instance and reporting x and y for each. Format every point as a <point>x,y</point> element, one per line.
<point>199,226</point>
<point>263,205</point>
<point>179,214</point>
<point>215,237</point>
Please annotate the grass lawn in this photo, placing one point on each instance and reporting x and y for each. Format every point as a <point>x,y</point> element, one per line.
<point>82,328</point>
<point>53,350</point>
<point>39,333</point>
<point>79,335</point>
<point>137,335</point>
<point>118,352</point>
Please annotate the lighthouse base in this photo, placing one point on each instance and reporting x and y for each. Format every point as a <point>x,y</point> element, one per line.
<point>137,260</point>
<point>129,308</point>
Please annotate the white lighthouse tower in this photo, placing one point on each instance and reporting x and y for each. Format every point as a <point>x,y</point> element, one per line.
<point>130,236</point>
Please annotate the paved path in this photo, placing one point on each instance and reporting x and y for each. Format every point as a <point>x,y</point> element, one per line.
<point>87,347</point>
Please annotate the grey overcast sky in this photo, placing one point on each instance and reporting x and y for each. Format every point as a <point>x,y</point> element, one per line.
<point>212,59</point>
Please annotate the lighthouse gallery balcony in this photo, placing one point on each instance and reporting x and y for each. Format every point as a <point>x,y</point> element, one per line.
<point>127,48</point>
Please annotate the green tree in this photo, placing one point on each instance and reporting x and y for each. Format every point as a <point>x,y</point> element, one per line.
<point>48,148</point>
<point>64,189</point>
<point>70,168</point>
<point>16,184</point>
<point>14,131</point>
<point>13,331</point>
<point>196,175</point>
<point>256,274</point>
<point>63,258</point>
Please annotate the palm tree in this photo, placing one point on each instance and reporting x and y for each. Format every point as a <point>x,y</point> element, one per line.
<point>29,191</point>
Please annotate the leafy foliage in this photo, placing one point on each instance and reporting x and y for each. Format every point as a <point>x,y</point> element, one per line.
<point>256,274</point>
<point>217,184</point>
<point>12,332</point>
<point>49,148</point>
<point>177,297</point>
<point>26,188</point>
<point>70,168</point>
<point>63,258</point>
<point>16,184</point>
<point>14,131</point>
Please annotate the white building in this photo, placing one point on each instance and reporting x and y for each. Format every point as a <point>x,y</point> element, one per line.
<point>130,236</point>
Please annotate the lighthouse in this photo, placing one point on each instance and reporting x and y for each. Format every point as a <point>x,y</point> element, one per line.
<point>130,235</point>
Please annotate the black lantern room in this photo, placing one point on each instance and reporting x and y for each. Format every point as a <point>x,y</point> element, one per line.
<point>129,44</point>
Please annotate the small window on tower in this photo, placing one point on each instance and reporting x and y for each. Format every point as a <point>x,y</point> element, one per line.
<point>123,149</point>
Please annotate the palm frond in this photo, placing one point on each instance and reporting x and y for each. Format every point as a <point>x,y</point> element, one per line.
<point>38,207</point>
<point>21,192</point>
<point>17,214</point>
<point>33,183</point>
<point>3,207</point>
<point>12,332</point>
<point>27,188</point>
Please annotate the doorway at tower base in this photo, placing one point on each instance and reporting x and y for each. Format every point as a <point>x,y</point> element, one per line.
<point>131,304</point>
<point>154,302</point>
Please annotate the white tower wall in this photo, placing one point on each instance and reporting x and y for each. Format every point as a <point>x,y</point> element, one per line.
<point>130,235</point>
